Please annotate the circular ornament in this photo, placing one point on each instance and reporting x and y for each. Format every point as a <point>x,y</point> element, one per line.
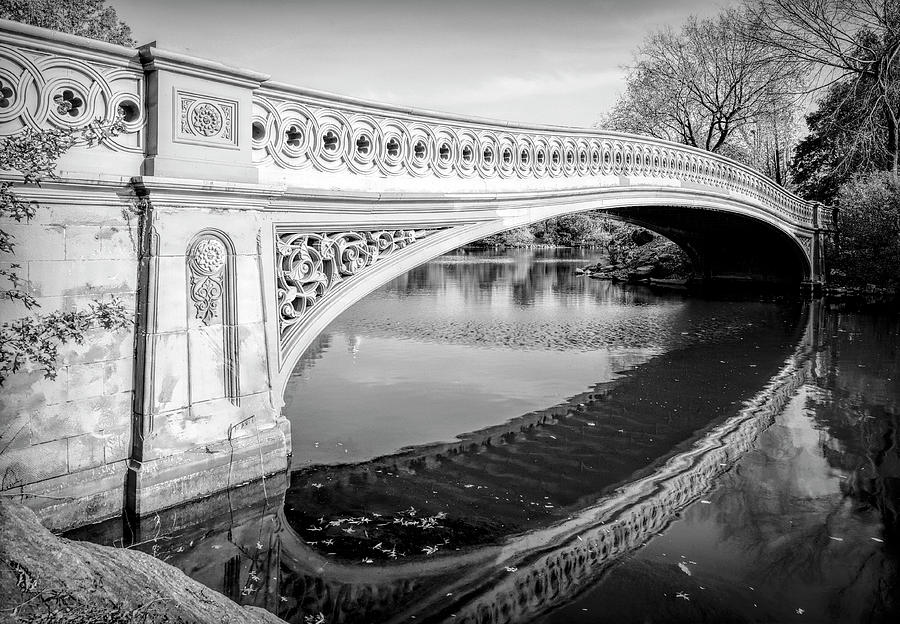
<point>209,256</point>
<point>206,119</point>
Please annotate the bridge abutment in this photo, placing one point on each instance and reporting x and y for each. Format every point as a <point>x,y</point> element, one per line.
<point>205,418</point>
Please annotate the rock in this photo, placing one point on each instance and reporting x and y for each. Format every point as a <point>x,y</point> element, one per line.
<point>674,284</point>
<point>644,271</point>
<point>642,237</point>
<point>84,582</point>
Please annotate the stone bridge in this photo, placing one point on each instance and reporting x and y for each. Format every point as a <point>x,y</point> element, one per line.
<point>237,216</point>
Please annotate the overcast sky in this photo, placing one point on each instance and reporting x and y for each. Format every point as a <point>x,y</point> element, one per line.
<point>558,61</point>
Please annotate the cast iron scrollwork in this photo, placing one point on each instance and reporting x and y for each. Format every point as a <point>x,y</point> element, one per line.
<point>311,264</point>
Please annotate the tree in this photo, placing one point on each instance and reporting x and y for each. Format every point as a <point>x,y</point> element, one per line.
<point>869,226</point>
<point>833,41</point>
<point>34,340</point>
<point>702,84</point>
<point>567,230</point>
<point>840,144</point>
<point>87,18</point>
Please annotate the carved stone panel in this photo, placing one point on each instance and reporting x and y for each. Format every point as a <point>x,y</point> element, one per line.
<point>207,262</point>
<point>213,343</point>
<point>205,120</point>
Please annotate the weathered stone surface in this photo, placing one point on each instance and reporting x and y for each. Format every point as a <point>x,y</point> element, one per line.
<point>76,498</point>
<point>100,580</point>
<point>85,451</point>
<point>99,242</point>
<point>172,308</point>
<point>77,277</point>
<point>200,471</point>
<point>169,372</point>
<point>33,463</point>
<point>86,380</point>
<point>207,362</point>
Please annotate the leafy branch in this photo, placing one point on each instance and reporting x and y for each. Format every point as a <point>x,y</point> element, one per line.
<point>34,341</point>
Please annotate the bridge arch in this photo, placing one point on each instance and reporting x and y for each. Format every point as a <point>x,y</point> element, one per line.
<point>651,209</point>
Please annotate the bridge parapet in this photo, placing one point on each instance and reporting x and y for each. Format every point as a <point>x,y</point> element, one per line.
<point>303,136</point>
<point>53,80</point>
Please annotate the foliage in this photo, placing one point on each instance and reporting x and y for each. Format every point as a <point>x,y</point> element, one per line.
<point>87,18</point>
<point>868,250</point>
<point>702,84</point>
<point>831,41</point>
<point>35,340</point>
<point>567,230</point>
<point>839,145</point>
<point>516,237</point>
<point>34,154</point>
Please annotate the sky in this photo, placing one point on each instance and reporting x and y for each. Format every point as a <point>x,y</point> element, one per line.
<point>555,62</point>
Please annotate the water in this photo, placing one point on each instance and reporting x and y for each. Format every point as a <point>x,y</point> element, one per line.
<point>492,438</point>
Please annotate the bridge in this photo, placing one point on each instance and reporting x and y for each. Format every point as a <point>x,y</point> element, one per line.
<point>237,216</point>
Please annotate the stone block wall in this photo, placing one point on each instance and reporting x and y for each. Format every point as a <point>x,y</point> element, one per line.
<point>65,442</point>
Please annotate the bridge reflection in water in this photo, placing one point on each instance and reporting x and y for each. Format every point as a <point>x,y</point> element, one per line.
<point>263,545</point>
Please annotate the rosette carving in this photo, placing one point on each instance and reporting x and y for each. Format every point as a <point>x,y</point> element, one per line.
<point>206,119</point>
<point>309,265</point>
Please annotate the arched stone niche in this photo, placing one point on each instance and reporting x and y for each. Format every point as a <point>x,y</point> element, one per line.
<point>213,341</point>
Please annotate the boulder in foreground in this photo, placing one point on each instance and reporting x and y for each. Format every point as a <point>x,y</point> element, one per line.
<point>45,578</point>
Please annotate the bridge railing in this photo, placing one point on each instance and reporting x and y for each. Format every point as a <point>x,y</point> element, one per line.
<point>301,129</point>
<point>189,117</point>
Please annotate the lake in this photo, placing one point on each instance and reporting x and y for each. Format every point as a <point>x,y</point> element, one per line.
<point>495,438</point>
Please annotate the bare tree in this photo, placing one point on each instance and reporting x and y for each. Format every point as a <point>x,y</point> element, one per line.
<point>831,41</point>
<point>703,83</point>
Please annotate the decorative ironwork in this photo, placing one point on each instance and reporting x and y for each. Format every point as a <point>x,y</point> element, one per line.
<point>311,264</point>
